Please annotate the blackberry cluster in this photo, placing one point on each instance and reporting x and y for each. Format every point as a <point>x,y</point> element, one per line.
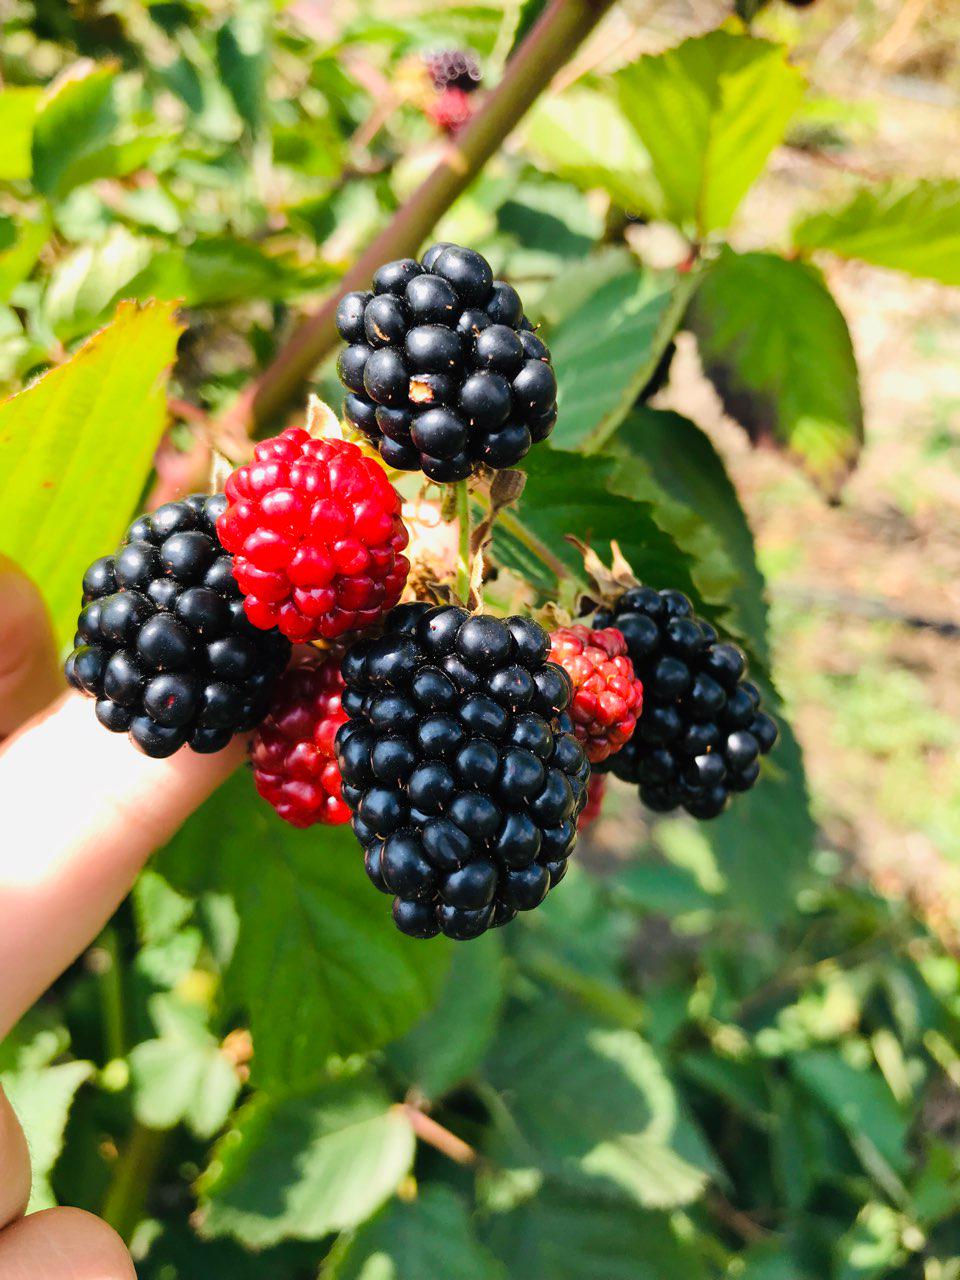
<point>702,730</point>
<point>454,69</point>
<point>162,641</point>
<point>292,751</point>
<point>459,766</point>
<point>443,370</point>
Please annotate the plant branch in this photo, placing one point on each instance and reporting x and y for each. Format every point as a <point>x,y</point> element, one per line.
<point>435,1135</point>
<point>549,45</point>
<point>133,1175</point>
<point>463,547</point>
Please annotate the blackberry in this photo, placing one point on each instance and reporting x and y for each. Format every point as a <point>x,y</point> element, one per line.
<point>454,69</point>
<point>443,370</point>
<point>451,110</point>
<point>596,790</point>
<point>702,730</point>
<point>460,768</point>
<point>162,641</point>
<point>607,696</point>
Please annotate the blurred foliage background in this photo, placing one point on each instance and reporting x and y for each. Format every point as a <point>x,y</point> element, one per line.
<point>724,1051</point>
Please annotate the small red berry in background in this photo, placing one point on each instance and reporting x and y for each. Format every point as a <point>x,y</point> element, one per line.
<point>607,696</point>
<point>450,110</point>
<point>596,790</point>
<point>316,531</point>
<point>292,753</point>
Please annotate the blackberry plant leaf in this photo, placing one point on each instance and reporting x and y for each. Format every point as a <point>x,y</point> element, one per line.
<point>421,1239</point>
<point>18,109</point>
<point>776,346</point>
<point>710,111</point>
<point>312,935</point>
<point>76,448</point>
<point>300,1167</point>
<point>606,350</point>
<point>912,227</point>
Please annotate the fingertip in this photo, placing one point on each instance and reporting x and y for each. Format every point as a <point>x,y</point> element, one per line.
<point>58,1243</point>
<point>29,668</point>
<point>14,1165</point>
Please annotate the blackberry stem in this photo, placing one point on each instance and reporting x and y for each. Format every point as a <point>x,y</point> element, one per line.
<point>436,1136</point>
<point>133,1176</point>
<point>463,550</point>
<point>550,44</point>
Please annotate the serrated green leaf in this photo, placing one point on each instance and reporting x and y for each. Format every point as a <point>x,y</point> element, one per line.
<point>859,1100</point>
<point>709,112</point>
<point>18,109</point>
<point>697,504</point>
<point>175,1252</point>
<point>243,58</point>
<point>593,1104</point>
<point>182,1075</point>
<point>450,1041</point>
<point>568,493</point>
<point>428,1237</point>
<point>549,223</point>
<point>301,1167</point>
<point>582,137</point>
<point>907,226</point>
<point>313,933</point>
<point>160,911</point>
<point>565,1234</point>
<point>89,426</point>
<point>777,348</point>
<point>605,351</point>
<point>84,285</point>
<point>41,1096</point>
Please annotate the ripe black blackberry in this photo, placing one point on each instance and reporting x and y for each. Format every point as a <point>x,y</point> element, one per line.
<point>458,763</point>
<point>162,642</point>
<point>454,69</point>
<point>443,370</point>
<point>702,730</point>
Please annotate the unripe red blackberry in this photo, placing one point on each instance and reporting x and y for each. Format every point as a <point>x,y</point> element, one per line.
<point>162,642</point>
<point>292,752</point>
<point>316,531</point>
<point>459,766</point>
<point>702,730</point>
<point>607,696</point>
<point>454,69</point>
<point>450,110</point>
<point>442,368</point>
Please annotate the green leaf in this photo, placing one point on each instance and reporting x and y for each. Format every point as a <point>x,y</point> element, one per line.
<point>605,351</point>
<point>41,1096</point>
<point>777,347</point>
<point>709,112</point>
<point>551,223</point>
<point>568,493</point>
<point>182,1075</point>
<point>89,426</point>
<point>565,1234</point>
<point>176,1253</point>
<point>428,1237</point>
<point>908,226</point>
<point>220,270</point>
<point>18,257</point>
<point>593,1104</point>
<point>450,1041</point>
<point>697,504</point>
<point>872,1247</point>
<point>85,283</point>
<point>319,965</point>
<point>859,1100</point>
<point>301,1167</point>
<point>582,137</point>
<point>243,58</point>
<point>75,138</point>
<point>18,109</point>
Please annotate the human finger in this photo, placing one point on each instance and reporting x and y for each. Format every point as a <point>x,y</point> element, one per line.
<point>29,670</point>
<point>63,1244</point>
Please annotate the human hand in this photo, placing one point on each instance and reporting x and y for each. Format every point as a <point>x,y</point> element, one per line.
<point>80,812</point>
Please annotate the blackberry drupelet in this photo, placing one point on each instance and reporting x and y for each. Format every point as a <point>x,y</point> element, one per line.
<point>162,642</point>
<point>702,730</point>
<point>292,752</point>
<point>316,528</point>
<point>443,370</point>
<point>460,768</point>
<point>454,69</point>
